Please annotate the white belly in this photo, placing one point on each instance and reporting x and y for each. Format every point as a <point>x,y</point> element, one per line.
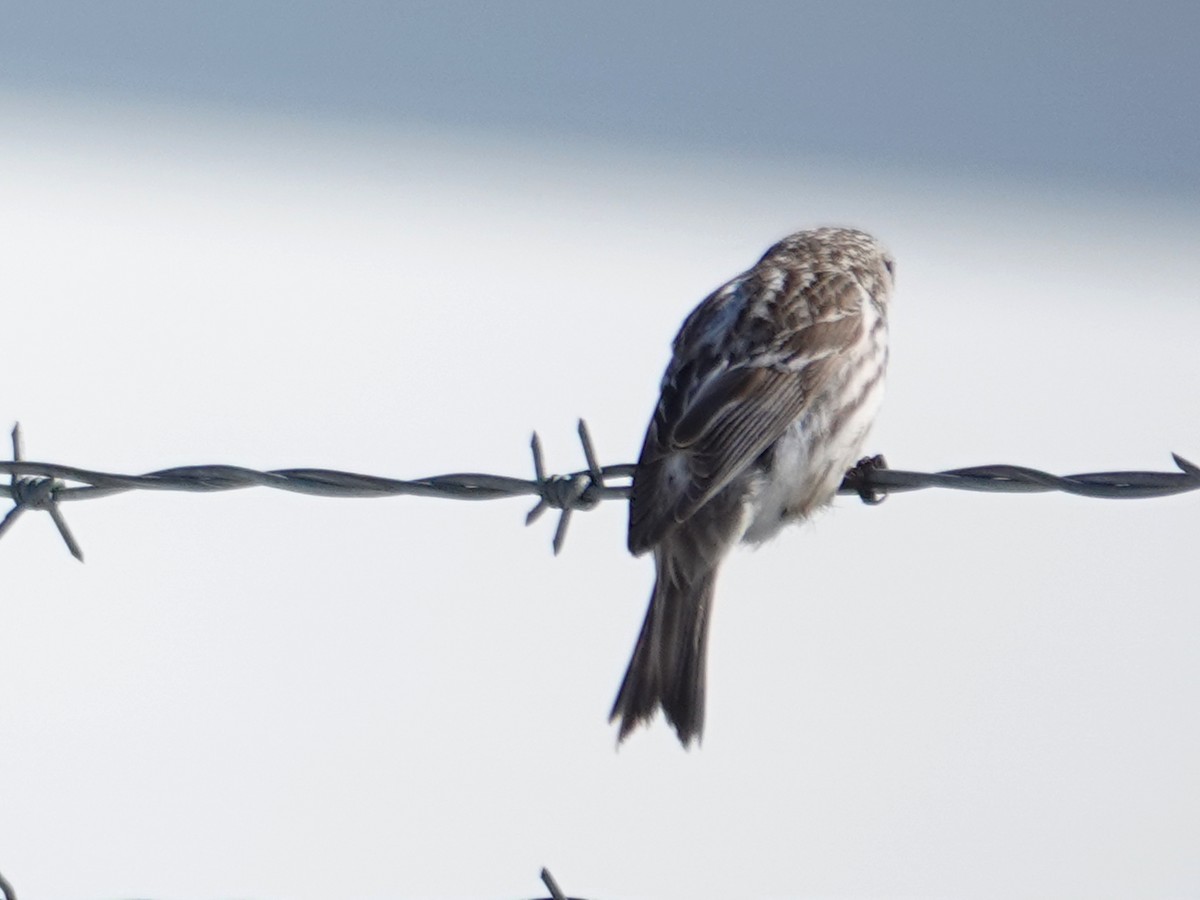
<point>809,463</point>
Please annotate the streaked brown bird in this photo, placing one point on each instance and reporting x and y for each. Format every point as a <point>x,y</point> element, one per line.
<point>775,379</point>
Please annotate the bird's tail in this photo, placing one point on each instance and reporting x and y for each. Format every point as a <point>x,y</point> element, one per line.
<point>667,668</point>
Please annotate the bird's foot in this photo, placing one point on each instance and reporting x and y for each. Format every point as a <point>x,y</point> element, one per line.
<point>859,479</point>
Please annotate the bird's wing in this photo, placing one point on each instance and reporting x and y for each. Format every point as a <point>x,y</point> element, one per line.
<point>726,426</point>
<point>733,420</point>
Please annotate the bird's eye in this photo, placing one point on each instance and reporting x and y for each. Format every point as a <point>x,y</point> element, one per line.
<point>891,265</point>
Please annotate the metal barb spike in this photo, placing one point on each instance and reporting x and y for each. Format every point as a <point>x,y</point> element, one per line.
<point>563,492</point>
<point>552,885</point>
<point>589,453</point>
<point>560,533</point>
<point>1189,467</point>
<point>36,493</point>
<point>539,477</point>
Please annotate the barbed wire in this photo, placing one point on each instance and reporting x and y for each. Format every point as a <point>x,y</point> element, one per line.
<point>556,892</point>
<point>7,892</point>
<point>42,486</point>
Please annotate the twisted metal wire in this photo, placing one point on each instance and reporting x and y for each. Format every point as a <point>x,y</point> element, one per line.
<point>556,893</point>
<point>37,485</point>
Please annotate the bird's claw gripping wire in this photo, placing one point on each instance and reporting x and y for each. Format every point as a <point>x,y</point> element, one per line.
<point>565,492</point>
<point>36,493</point>
<point>858,479</point>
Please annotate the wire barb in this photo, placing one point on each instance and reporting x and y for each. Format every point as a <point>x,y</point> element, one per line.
<point>35,493</point>
<point>1189,467</point>
<point>556,893</point>
<point>567,493</point>
<point>552,885</point>
<point>34,485</point>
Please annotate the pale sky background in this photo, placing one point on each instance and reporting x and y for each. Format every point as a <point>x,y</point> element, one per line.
<point>395,239</point>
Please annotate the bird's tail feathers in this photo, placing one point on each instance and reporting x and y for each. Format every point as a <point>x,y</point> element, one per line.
<point>668,664</point>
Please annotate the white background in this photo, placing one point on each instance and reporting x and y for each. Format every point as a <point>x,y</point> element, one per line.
<point>395,241</point>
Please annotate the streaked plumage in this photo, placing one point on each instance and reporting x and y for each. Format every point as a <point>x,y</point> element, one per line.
<point>775,379</point>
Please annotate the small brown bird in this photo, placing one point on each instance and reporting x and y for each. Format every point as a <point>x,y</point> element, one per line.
<point>775,379</point>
